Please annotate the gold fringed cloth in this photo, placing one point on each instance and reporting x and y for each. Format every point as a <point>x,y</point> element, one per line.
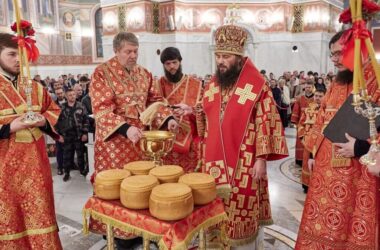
<point>169,234</point>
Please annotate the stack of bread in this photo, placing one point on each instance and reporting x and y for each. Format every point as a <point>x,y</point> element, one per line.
<point>165,190</point>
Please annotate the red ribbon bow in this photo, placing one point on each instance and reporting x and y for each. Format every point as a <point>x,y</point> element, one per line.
<point>358,31</point>
<point>30,45</point>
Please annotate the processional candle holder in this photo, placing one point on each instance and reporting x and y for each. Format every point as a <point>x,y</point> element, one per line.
<point>27,52</point>
<point>364,107</point>
<point>156,144</point>
<point>363,48</point>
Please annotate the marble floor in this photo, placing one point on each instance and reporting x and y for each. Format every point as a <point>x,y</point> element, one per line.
<point>286,195</point>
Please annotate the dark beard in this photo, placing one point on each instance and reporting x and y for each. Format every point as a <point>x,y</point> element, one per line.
<point>344,77</point>
<point>176,77</point>
<point>227,79</point>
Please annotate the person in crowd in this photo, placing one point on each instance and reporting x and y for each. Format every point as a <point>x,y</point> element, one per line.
<point>73,127</point>
<point>307,120</point>
<point>84,82</point>
<point>300,104</point>
<point>78,91</point>
<point>320,84</point>
<point>285,102</point>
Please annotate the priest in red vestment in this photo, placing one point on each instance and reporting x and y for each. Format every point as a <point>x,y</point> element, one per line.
<point>243,132</point>
<point>342,205</point>
<point>27,216</point>
<point>299,106</point>
<point>182,92</point>
<point>120,91</point>
<point>308,118</point>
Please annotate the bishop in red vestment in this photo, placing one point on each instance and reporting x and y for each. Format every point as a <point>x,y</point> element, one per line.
<point>243,131</point>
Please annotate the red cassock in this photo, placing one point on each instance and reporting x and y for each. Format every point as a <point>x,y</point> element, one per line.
<point>27,216</point>
<point>307,121</point>
<point>119,97</point>
<point>241,128</point>
<point>342,205</point>
<point>186,150</point>
<point>302,102</point>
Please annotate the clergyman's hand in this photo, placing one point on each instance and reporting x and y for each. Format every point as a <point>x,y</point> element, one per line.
<point>375,169</point>
<point>17,124</point>
<point>346,149</point>
<point>173,125</point>
<point>134,134</point>
<point>310,165</point>
<point>259,169</point>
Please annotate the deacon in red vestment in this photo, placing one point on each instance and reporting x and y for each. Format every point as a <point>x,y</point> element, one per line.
<point>120,91</point>
<point>244,130</point>
<point>342,205</point>
<point>27,216</point>
<point>307,121</point>
<point>182,93</point>
<point>301,103</point>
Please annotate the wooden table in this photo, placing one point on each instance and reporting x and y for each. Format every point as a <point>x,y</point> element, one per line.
<point>115,220</point>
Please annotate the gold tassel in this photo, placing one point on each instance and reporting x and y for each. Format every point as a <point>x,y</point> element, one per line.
<point>85,214</point>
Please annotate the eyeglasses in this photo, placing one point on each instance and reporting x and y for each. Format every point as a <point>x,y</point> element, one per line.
<point>335,54</point>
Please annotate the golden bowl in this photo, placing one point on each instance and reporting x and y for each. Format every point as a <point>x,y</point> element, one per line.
<point>156,144</point>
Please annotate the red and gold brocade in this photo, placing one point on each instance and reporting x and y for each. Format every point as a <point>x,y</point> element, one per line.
<point>257,125</point>
<point>342,206</point>
<point>308,118</point>
<point>169,234</point>
<point>186,150</point>
<point>27,216</point>
<point>119,97</point>
<point>301,103</point>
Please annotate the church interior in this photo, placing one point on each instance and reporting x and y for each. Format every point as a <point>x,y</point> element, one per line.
<point>284,38</point>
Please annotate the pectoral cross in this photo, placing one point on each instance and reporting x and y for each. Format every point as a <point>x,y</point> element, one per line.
<point>211,92</point>
<point>245,94</point>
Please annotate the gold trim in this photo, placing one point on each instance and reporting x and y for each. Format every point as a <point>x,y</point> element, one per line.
<point>229,52</point>
<point>6,112</point>
<point>87,213</point>
<point>29,233</point>
<point>118,224</point>
<point>103,112</point>
<point>52,114</point>
<point>235,243</point>
<point>107,73</point>
<point>40,94</point>
<point>206,224</point>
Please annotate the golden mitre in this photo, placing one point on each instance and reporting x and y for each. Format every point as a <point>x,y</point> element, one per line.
<point>230,39</point>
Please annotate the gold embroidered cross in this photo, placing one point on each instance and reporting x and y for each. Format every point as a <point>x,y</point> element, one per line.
<point>211,92</point>
<point>245,94</point>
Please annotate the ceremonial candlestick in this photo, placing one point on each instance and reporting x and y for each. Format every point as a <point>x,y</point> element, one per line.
<point>361,100</point>
<point>26,81</point>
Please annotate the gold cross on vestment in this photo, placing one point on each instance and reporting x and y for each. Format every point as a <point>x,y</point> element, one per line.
<point>245,94</point>
<point>211,92</point>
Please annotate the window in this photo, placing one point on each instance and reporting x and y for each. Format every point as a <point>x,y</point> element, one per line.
<point>99,32</point>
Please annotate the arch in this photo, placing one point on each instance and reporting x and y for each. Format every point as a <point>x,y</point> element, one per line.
<point>97,52</point>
